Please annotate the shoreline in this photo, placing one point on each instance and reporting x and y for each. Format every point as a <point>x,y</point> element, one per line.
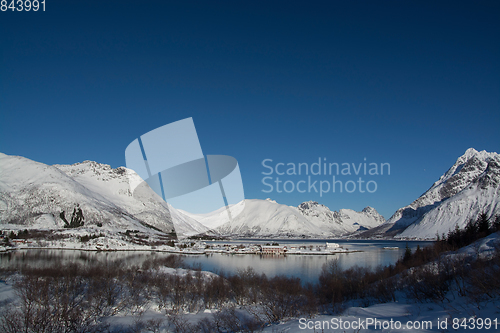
<point>206,252</point>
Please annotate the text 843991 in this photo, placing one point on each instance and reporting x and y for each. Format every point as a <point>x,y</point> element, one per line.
<point>22,5</point>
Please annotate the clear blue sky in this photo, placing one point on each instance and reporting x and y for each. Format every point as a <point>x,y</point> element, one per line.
<point>409,83</point>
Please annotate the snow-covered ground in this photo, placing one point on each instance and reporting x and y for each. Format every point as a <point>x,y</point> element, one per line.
<point>398,317</point>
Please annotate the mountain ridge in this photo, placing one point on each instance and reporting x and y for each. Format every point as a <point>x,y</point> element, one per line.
<point>34,194</point>
<point>104,195</point>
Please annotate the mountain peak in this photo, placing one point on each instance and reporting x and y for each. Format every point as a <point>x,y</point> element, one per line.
<point>100,170</point>
<point>92,164</point>
<point>309,205</point>
<point>481,155</point>
<point>471,151</point>
<point>369,209</point>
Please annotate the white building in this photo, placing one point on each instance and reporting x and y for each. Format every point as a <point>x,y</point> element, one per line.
<point>332,245</point>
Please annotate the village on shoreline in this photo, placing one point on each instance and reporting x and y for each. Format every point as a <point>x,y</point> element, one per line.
<point>185,246</point>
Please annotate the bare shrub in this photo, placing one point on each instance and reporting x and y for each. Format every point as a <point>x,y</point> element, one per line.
<point>178,293</point>
<point>54,303</point>
<point>154,325</point>
<point>311,302</point>
<point>206,325</point>
<point>282,297</point>
<point>330,288</point>
<point>383,291</point>
<point>424,284</point>
<point>482,281</point>
<point>227,320</point>
<point>217,292</point>
<point>137,290</point>
<point>162,289</point>
<point>179,324</point>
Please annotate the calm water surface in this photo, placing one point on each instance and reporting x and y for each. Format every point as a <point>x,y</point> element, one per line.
<point>307,267</point>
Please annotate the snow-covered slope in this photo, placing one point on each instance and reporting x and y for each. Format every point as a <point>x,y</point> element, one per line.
<point>185,225</point>
<point>267,218</point>
<point>467,189</point>
<point>113,185</point>
<point>33,195</point>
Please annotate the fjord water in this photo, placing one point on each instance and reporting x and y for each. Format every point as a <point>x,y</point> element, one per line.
<point>306,267</point>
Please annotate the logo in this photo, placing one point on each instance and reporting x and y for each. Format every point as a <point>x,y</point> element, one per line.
<point>204,188</point>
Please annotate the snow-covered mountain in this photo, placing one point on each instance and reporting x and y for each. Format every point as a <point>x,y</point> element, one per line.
<point>267,218</point>
<point>468,188</point>
<point>34,194</point>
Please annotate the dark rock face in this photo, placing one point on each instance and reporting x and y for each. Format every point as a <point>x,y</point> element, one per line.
<point>491,176</point>
<point>467,173</point>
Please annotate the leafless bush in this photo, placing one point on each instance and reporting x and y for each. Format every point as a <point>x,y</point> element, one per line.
<point>138,293</point>
<point>311,302</point>
<point>162,289</point>
<point>282,297</point>
<point>179,324</point>
<point>383,291</point>
<point>245,286</point>
<point>425,284</point>
<point>217,292</point>
<point>206,325</point>
<point>331,288</point>
<point>54,304</point>
<point>178,294</point>
<point>227,320</point>
<point>154,325</point>
<point>481,280</point>
<point>230,320</point>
